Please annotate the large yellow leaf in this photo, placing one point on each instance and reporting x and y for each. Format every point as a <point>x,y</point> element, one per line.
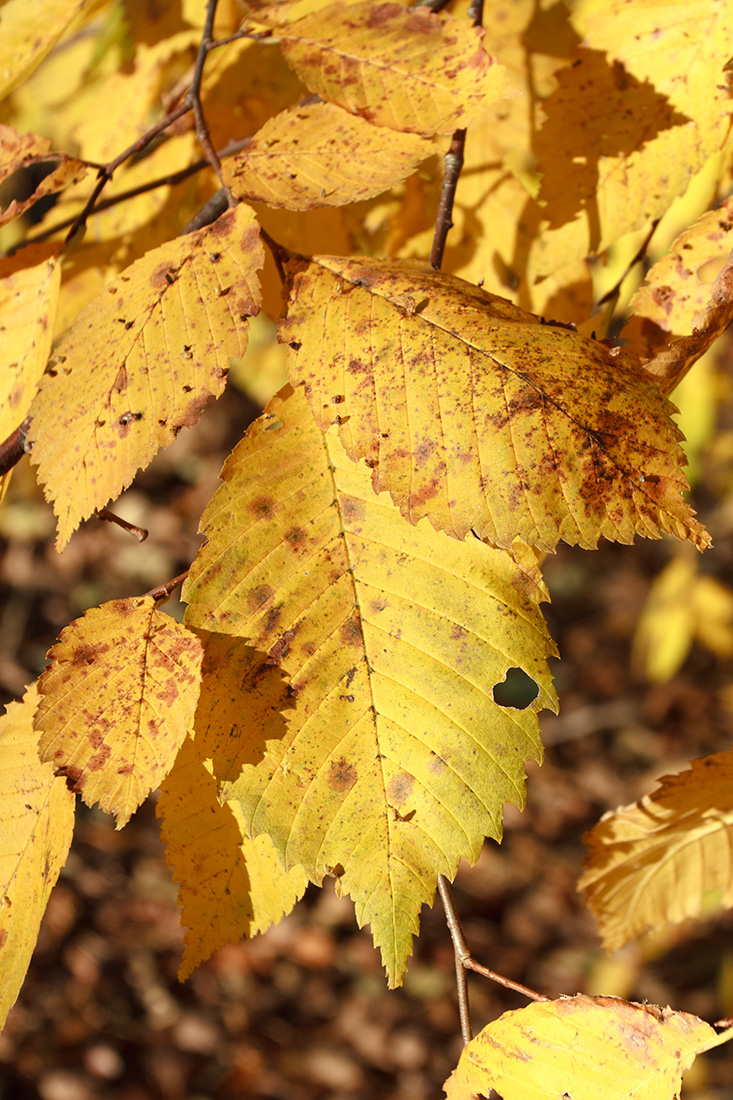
<point>27,33</point>
<point>473,413</point>
<point>28,299</point>
<point>140,363</point>
<point>406,69</point>
<point>35,834</point>
<point>587,1048</point>
<point>118,698</point>
<point>24,151</point>
<point>230,886</point>
<point>320,155</point>
<point>666,857</point>
<point>395,759</point>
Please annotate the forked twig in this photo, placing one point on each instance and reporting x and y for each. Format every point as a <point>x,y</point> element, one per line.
<point>465,961</point>
<point>109,517</point>
<point>193,100</point>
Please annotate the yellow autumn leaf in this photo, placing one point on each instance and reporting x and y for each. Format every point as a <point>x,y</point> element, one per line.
<point>587,1048</point>
<point>407,69</point>
<point>27,33</point>
<point>230,886</point>
<point>127,102</point>
<point>140,363</point>
<point>644,105</point>
<point>678,286</point>
<point>35,834</point>
<point>24,151</point>
<point>395,759</point>
<point>666,628</point>
<point>277,13</point>
<point>29,290</point>
<point>320,155</point>
<point>117,700</point>
<point>473,413</point>
<point>664,858</point>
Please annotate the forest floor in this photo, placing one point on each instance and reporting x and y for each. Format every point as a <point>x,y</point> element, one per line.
<point>303,1012</point>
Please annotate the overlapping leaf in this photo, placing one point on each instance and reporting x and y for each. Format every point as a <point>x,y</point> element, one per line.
<point>320,155</point>
<point>27,33</point>
<point>473,413</point>
<point>35,834</point>
<point>407,69</point>
<point>666,857</point>
<point>28,298</point>
<point>395,759</point>
<point>231,886</point>
<point>587,1048</point>
<point>24,151</point>
<point>644,105</point>
<point>118,698</point>
<point>140,362</point>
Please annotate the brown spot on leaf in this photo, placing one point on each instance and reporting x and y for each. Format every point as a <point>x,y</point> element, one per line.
<point>99,759</point>
<point>350,631</point>
<point>124,422</point>
<point>342,775</point>
<point>88,654</point>
<point>193,412</point>
<point>399,788</point>
<point>259,596</point>
<point>280,649</point>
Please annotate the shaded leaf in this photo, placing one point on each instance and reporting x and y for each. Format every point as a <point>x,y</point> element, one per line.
<point>473,413</point>
<point>140,363</point>
<point>28,299</point>
<point>666,857</point>
<point>671,364</point>
<point>231,886</point>
<point>587,1048</point>
<point>118,698</point>
<point>35,834</point>
<point>678,286</point>
<point>644,105</point>
<point>23,151</point>
<point>407,69</point>
<point>27,33</point>
<point>395,760</point>
<point>320,155</point>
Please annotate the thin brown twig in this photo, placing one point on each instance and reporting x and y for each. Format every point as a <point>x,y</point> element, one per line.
<point>465,961</point>
<point>163,591</point>
<point>13,448</point>
<point>193,100</point>
<point>640,254</point>
<point>109,517</point>
<point>453,166</point>
<point>279,254</point>
<point>256,36</point>
<point>170,180</point>
<point>108,170</point>
<point>461,952</point>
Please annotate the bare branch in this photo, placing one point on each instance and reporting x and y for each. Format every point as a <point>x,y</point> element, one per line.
<point>12,449</point>
<point>193,100</point>
<point>109,517</point>
<point>163,591</point>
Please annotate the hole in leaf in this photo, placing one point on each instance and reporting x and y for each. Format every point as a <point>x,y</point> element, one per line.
<point>517,690</point>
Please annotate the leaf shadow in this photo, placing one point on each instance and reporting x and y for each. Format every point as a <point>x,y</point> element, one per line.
<point>598,110</point>
<point>241,706</point>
